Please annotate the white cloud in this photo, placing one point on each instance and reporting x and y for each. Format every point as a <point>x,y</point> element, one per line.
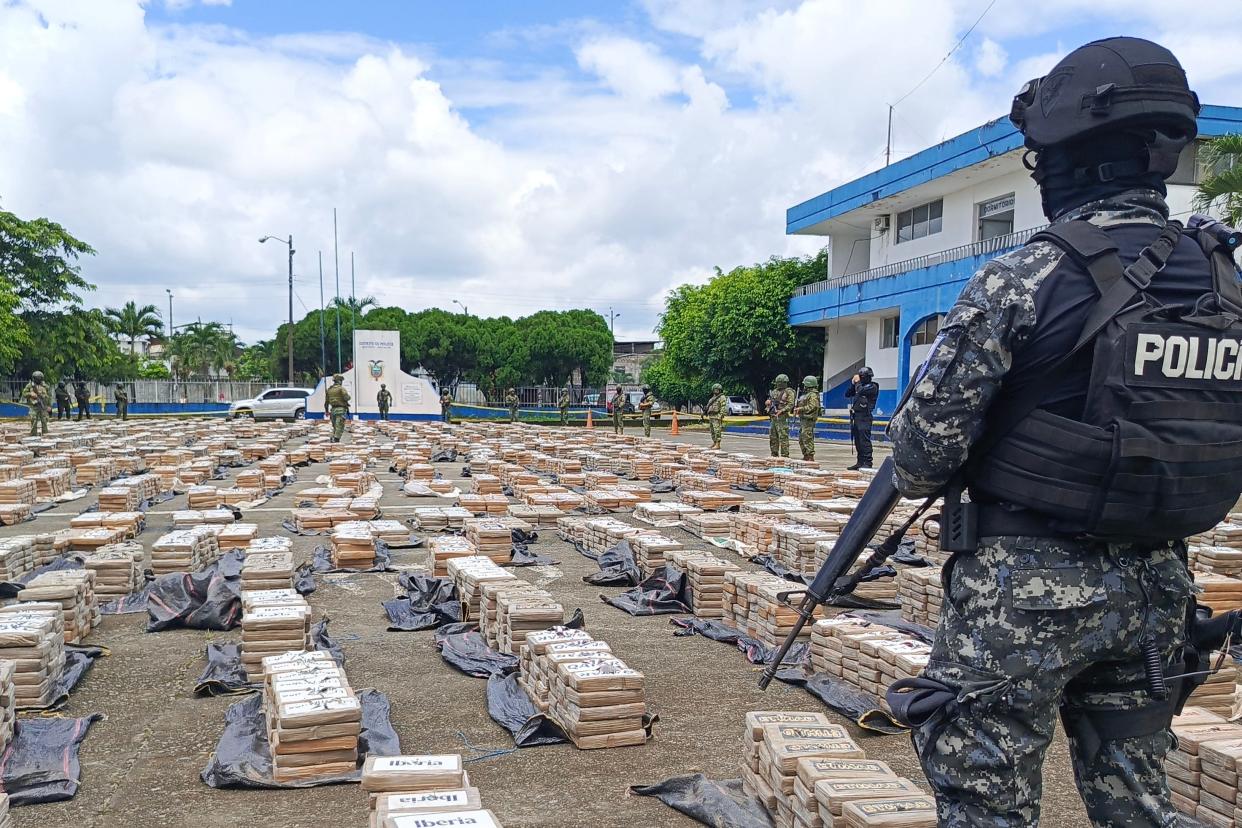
<point>172,149</point>
<point>181,5</point>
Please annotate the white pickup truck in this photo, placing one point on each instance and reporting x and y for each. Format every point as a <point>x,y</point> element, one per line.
<point>273,404</point>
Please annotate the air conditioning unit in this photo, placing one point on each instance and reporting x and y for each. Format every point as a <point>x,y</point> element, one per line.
<point>881,223</point>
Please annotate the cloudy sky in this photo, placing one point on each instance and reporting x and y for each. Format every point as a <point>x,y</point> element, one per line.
<point>509,155</point>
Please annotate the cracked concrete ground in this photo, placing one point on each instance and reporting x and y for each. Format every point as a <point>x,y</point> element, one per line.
<point>140,765</point>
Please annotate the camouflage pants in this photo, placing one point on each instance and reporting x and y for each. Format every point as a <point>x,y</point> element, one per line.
<point>778,436</point>
<point>38,420</point>
<point>383,412</point>
<point>339,415</point>
<point>513,413</point>
<point>564,416</point>
<point>618,423</point>
<point>646,423</point>
<point>1030,625</point>
<point>806,438</point>
<point>715,426</point>
<point>122,410</point>
<point>445,413</point>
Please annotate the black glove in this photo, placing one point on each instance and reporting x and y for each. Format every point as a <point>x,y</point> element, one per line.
<point>1208,633</point>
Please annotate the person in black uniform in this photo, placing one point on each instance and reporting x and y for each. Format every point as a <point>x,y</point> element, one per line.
<point>863,391</point>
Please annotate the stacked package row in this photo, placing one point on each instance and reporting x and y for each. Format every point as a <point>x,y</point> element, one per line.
<point>273,621</point>
<point>268,564</point>
<point>184,550</point>
<point>353,545</point>
<point>17,556</point>
<point>313,716</point>
<point>469,574</point>
<point>809,773</point>
<point>652,551</point>
<point>921,594</point>
<point>869,656</point>
<point>705,580</point>
<point>117,568</point>
<point>422,791</point>
<point>73,590</point>
<point>32,637</point>
<point>598,701</point>
<point>754,604</point>
<point>1203,772</point>
<point>440,518</point>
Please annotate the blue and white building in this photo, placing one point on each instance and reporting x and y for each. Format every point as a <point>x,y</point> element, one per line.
<point>903,239</point>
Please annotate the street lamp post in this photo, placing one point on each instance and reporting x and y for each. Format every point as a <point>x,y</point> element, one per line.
<point>464,309</point>
<point>170,324</point>
<point>289,338</point>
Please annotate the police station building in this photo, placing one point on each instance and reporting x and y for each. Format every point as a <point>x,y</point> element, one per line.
<point>903,240</point>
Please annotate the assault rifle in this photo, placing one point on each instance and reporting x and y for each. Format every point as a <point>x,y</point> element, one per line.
<point>832,579</point>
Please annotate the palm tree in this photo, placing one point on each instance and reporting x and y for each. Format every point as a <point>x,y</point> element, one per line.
<point>200,347</point>
<point>354,304</point>
<point>1221,160</point>
<point>135,323</point>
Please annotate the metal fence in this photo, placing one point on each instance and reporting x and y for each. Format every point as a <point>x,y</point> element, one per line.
<point>468,393</point>
<point>162,391</point>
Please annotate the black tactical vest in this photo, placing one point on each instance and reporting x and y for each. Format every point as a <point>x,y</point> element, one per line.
<point>1156,454</point>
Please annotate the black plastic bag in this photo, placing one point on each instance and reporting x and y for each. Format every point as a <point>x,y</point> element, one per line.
<point>224,675</point>
<point>128,604</point>
<point>520,555</point>
<point>429,603</point>
<point>616,567</point>
<point>663,592</point>
<point>41,763</point>
<point>659,486</point>
<point>243,759</point>
<point>205,600</point>
<point>9,589</point>
<point>718,804</point>
<point>511,708</point>
<point>863,708</point>
<point>321,561</point>
<point>444,456</point>
<point>463,647</point>
<point>756,651</point>
<point>523,537</point>
<point>778,569</point>
<point>304,579</point>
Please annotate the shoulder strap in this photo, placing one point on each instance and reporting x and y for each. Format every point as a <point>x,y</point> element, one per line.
<point>1117,287</point>
<point>1224,269</point>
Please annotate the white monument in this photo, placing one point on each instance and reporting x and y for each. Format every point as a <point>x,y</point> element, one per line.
<point>377,359</point>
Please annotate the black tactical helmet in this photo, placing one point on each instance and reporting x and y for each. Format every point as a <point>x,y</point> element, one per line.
<point>865,373</point>
<point>1116,83</point>
<point>646,389</point>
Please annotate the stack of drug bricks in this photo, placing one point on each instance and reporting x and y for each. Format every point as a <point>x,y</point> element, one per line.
<point>440,518</point>
<point>1217,694</point>
<point>594,697</point>
<point>422,792</point>
<point>469,574</point>
<point>17,556</point>
<point>237,535</point>
<point>32,637</point>
<point>651,551</point>
<point>520,612</point>
<point>712,500</point>
<point>796,546</point>
<point>8,717</point>
<point>705,580</point>
<point>921,595</point>
<point>447,548</point>
<point>752,602</point>
<point>1220,592</point>
<point>184,550</point>
<point>130,523</point>
<point>73,590</point>
<point>1203,772</point>
<point>274,621</point>
<point>484,504</point>
<point>808,773</point>
<point>190,518</point>
<point>117,568</point>
<point>491,538</point>
<point>543,650</point>
<point>709,524</point>
<point>268,565</point>
<point>869,656</point>
<point>353,545</point>
<point>540,516</point>
<point>313,716</point>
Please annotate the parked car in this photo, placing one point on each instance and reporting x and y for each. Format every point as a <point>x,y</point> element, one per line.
<point>590,399</point>
<point>739,406</point>
<point>273,404</point>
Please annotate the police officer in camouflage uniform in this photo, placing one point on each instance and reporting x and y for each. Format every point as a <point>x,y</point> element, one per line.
<point>645,405</point>
<point>384,400</point>
<point>336,399</point>
<point>862,393</point>
<point>714,411</point>
<point>511,400</point>
<point>563,405</point>
<point>781,401</point>
<point>63,402</point>
<point>83,395</point>
<point>121,396</point>
<point>618,411</point>
<point>808,408</point>
<point>37,397</point>
<point>1040,616</point>
<point>446,405</point>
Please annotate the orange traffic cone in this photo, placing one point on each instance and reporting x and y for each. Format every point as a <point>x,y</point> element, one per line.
<point>590,422</point>
<point>673,430</point>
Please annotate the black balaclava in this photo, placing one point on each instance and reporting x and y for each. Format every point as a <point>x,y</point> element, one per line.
<point>1075,173</point>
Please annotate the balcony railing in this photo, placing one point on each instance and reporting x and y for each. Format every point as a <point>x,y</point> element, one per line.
<point>992,246</point>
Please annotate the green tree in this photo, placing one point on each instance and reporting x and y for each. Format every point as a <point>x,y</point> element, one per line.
<point>1221,159</point>
<point>152,370</point>
<point>200,348</point>
<point>502,358</point>
<point>557,343</point>
<point>355,304</point>
<point>734,330</point>
<point>76,342</point>
<point>676,388</point>
<point>135,322</point>
<point>39,258</point>
<point>255,362</point>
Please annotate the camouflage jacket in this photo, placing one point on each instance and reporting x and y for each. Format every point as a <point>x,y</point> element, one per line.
<point>781,402</point>
<point>81,391</point>
<point>715,408</point>
<point>946,404</point>
<point>446,401</point>
<point>337,397</point>
<point>808,406</point>
<point>121,395</point>
<point>384,398</point>
<point>511,400</point>
<point>647,402</point>
<point>563,402</point>
<point>37,396</point>
<point>618,402</point>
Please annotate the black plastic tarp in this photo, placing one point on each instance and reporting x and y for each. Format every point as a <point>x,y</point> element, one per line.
<point>718,804</point>
<point>429,602</point>
<point>662,593</point>
<point>616,567</point>
<point>78,660</point>
<point>511,708</point>
<point>520,555</point>
<point>41,763</point>
<point>321,560</point>
<point>892,618</point>
<point>864,709</point>
<point>463,647</point>
<point>756,651</point>
<point>9,589</point>
<point>206,600</point>
<point>242,758</point>
<point>224,675</point>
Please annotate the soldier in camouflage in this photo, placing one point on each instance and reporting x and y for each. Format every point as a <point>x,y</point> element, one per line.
<point>63,402</point>
<point>714,411</point>
<point>384,401</point>
<point>645,405</point>
<point>808,408</point>
<point>618,402</point>
<point>336,399</point>
<point>37,398</point>
<point>1034,623</point>
<point>446,405</point>
<point>121,396</point>
<point>563,405</point>
<point>780,403</point>
<point>511,401</point>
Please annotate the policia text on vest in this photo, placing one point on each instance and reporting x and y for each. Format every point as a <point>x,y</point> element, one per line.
<point>1164,356</point>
